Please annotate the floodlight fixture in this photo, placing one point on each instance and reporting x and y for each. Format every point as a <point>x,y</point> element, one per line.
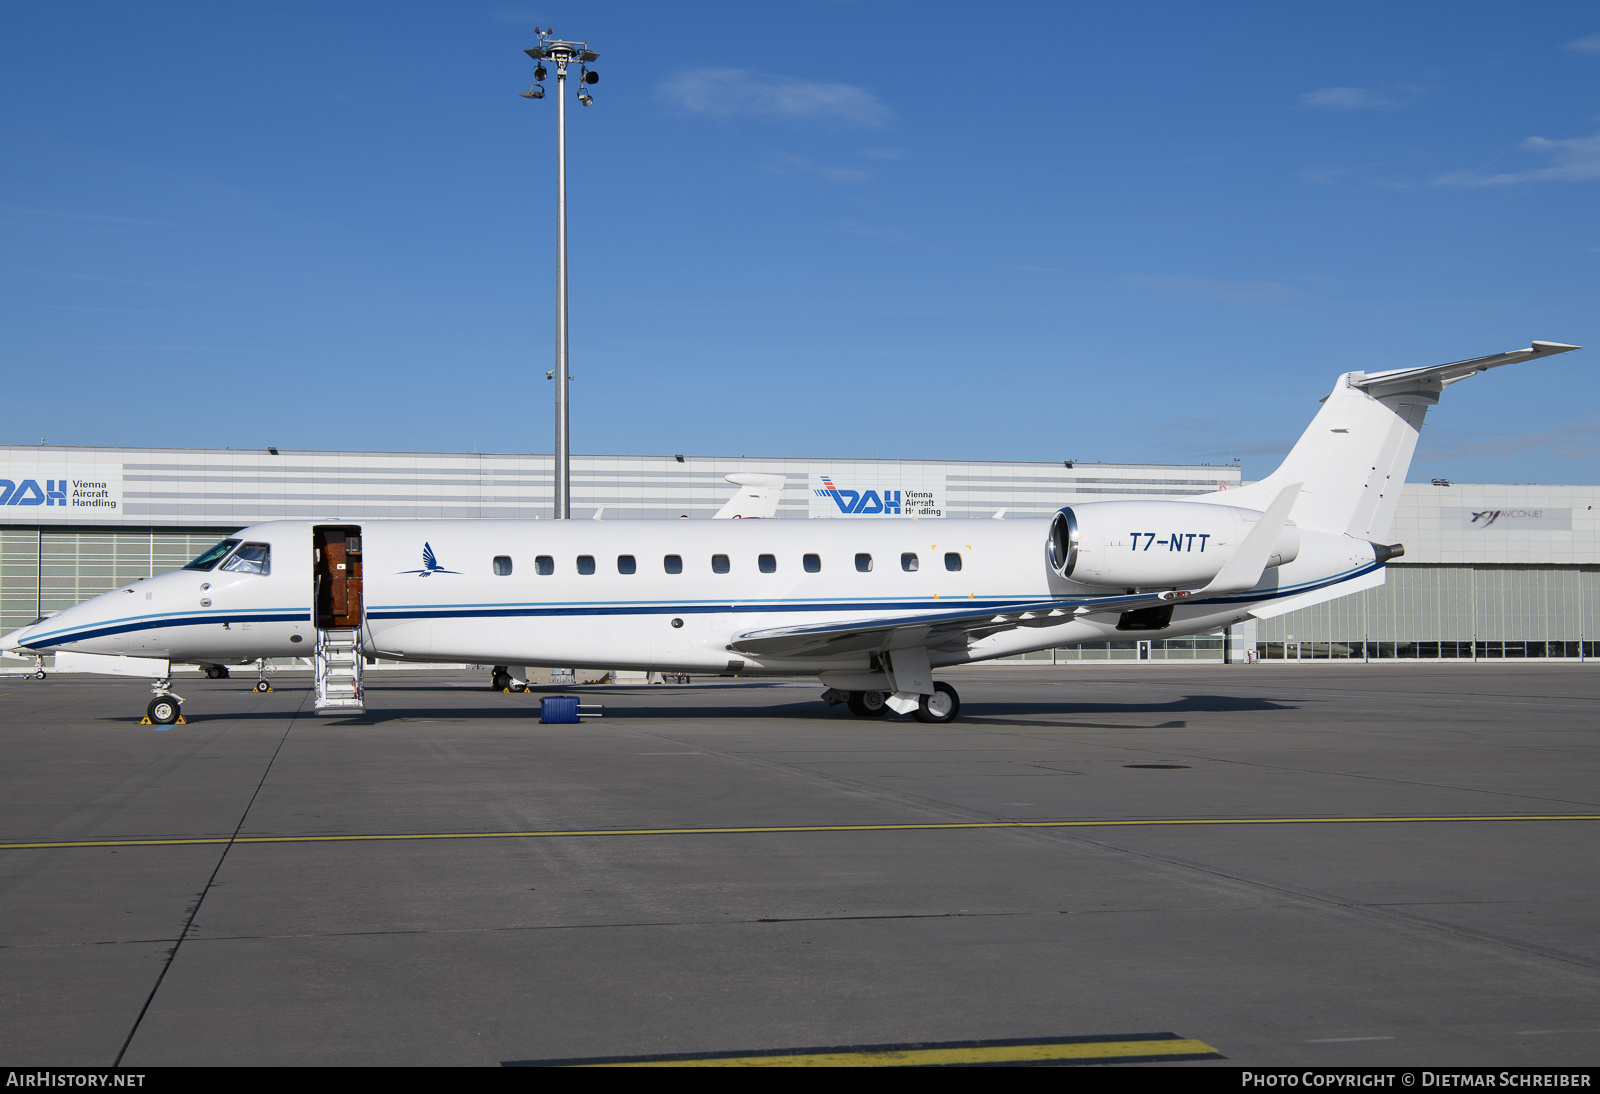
<point>562,53</point>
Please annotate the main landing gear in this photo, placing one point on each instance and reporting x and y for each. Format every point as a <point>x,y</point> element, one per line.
<point>868,704</point>
<point>216,672</point>
<point>936,709</point>
<point>940,707</point>
<point>501,680</point>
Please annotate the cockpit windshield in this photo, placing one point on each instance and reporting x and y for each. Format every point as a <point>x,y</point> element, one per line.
<point>252,558</point>
<point>213,556</point>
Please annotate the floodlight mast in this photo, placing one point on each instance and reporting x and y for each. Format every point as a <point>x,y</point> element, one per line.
<point>562,54</point>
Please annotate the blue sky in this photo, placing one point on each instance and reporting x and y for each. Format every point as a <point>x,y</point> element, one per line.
<point>1021,231</point>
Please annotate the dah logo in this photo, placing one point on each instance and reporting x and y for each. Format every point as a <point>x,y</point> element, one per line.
<point>54,492</point>
<point>860,502</point>
<point>430,564</point>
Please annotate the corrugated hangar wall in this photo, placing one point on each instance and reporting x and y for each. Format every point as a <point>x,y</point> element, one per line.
<point>1490,571</point>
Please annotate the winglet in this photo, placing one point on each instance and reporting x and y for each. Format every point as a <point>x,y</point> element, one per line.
<point>1249,562</point>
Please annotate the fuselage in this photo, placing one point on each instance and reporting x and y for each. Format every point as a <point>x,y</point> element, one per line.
<point>649,594</point>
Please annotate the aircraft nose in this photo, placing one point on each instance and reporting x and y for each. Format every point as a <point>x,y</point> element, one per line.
<point>14,640</point>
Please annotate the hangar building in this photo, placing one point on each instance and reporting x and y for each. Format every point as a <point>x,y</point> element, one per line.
<point>1490,572</point>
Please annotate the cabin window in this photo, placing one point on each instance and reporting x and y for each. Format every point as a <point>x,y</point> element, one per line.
<point>252,558</point>
<point>813,564</point>
<point>213,556</point>
<point>952,560</point>
<point>719,564</point>
<point>768,564</point>
<point>626,564</point>
<point>544,565</point>
<point>502,565</point>
<point>673,564</point>
<point>864,563</point>
<point>586,564</point>
<point>908,562</point>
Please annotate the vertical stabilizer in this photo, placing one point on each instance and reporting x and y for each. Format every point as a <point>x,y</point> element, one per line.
<point>1353,458</point>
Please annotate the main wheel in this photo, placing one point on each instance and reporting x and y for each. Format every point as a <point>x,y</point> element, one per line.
<point>868,704</point>
<point>263,687</point>
<point>940,707</point>
<point>163,710</point>
<point>499,681</point>
<point>217,672</point>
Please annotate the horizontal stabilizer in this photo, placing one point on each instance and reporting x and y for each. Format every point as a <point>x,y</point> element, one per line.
<point>1383,383</point>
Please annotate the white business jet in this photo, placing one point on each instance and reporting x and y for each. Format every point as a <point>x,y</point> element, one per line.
<point>872,608</point>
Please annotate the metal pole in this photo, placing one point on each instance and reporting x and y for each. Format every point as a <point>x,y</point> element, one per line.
<point>563,498</point>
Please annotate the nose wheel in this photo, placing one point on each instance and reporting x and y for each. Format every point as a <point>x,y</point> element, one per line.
<point>166,709</point>
<point>163,712</point>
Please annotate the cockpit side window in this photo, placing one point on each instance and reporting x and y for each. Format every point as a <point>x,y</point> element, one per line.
<point>252,558</point>
<point>213,556</point>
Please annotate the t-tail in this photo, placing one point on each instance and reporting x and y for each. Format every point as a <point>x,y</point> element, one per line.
<point>1352,460</point>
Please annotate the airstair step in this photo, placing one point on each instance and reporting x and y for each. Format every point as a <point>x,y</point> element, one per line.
<point>338,664</point>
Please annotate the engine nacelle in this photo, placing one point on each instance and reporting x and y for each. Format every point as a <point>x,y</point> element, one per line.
<point>1153,544</point>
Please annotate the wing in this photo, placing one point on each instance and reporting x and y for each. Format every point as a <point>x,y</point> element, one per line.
<point>951,630</point>
<point>429,562</point>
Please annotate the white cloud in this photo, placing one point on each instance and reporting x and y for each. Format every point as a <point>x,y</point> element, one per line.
<point>1255,293</point>
<point>746,93</point>
<point>782,163</point>
<point>1349,98</point>
<point>1591,44</point>
<point>1575,160</point>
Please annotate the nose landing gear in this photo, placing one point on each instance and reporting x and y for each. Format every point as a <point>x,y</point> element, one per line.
<point>165,709</point>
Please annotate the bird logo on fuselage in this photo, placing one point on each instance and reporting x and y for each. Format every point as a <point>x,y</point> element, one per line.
<point>430,564</point>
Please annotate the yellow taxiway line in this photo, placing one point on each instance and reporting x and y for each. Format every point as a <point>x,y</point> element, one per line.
<point>1089,1050</point>
<point>953,826</point>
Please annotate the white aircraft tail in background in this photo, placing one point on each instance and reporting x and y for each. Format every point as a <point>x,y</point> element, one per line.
<point>758,496</point>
